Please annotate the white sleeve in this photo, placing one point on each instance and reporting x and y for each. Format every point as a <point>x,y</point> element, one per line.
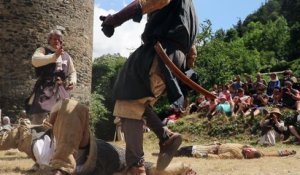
<point>40,59</point>
<point>280,126</point>
<point>72,72</point>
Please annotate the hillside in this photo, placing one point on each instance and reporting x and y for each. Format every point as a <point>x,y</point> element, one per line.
<point>198,129</point>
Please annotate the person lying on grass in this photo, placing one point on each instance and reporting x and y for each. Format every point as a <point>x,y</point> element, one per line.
<point>228,151</point>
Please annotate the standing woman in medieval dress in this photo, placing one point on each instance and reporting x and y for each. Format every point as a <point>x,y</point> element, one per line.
<point>56,76</point>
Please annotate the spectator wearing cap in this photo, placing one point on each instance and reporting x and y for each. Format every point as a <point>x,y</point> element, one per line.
<point>290,97</point>
<point>222,107</point>
<point>272,84</point>
<point>226,92</point>
<point>273,128</point>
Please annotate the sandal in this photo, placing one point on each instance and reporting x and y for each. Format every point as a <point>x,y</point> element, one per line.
<point>286,153</point>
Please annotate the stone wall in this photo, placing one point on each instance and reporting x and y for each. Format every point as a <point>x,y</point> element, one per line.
<point>24,25</point>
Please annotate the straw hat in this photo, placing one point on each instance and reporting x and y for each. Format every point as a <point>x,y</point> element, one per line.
<point>276,111</point>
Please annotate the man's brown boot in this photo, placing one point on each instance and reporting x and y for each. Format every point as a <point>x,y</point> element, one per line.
<point>168,149</point>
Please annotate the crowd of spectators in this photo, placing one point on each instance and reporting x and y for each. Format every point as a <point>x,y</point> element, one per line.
<point>248,98</point>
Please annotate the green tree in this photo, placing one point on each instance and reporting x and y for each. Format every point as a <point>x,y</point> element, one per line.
<point>275,37</point>
<point>271,37</point>
<point>98,111</point>
<point>294,43</point>
<point>104,73</point>
<point>231,35</point>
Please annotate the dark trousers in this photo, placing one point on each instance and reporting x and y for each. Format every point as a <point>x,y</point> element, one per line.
<point>133,132</point>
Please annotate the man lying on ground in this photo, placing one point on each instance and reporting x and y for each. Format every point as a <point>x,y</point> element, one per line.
<point>228,151</point>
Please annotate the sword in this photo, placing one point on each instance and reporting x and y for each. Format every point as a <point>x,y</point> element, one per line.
<point>178,74</point>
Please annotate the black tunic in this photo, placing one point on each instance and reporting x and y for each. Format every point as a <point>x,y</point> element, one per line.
<point>175,26</point>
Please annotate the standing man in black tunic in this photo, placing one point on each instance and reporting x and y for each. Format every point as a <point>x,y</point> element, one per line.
<point>144,77</point>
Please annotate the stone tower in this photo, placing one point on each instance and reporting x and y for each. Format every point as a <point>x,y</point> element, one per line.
<point>24,25</point>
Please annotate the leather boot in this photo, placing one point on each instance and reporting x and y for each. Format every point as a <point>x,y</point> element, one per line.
<point>168,149</point>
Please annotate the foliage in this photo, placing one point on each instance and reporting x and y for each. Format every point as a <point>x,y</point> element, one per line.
<point>104,73</point>
<point>269,13</point>
<point>218,61</point>
<point>273,36</point>
<point>294,43</point>
<point>98,112</point>
<point>205,34</point>
<point>162,107</point>
<point>105,70</point>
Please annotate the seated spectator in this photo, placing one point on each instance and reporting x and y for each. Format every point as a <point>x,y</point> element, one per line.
<point>290,97</point>
<point>259,101</point>
<point>241,103</point>
<point>276,98</point>
<point>237,84</point>
<point>236,105</point>
<point>259,80</point>
<point>198,105</point>
<point>171,119</point>
<point>295,130</point>
<point>223,107</point>
<point>272,84</point>
<point>215,89</point>
<point>211,108</point>
<point>273,128</point>
<point>227,94</point>
<point>248,85</point>
<point>6,126</point>
<point>288,76</point>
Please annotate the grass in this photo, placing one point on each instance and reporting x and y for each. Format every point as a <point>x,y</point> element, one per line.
<point>197,130</point>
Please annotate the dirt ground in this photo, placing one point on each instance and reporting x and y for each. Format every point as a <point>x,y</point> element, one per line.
<point>262,166</point>
<point>17,163</point>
